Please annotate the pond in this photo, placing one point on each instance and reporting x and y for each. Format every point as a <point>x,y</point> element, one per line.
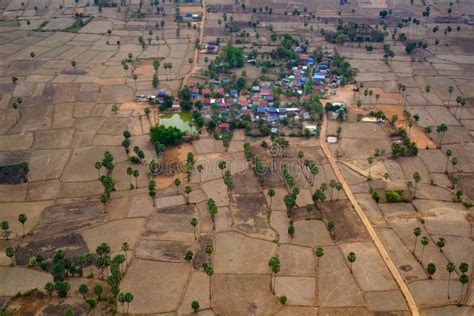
<point>183,121</point>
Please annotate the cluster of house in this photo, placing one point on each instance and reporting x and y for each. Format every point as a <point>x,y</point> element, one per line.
<point>257,102</point>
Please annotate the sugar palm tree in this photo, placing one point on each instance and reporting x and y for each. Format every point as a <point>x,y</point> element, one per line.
<point>441,243</point>
<point>417,178</point>
<point>177,183</point>
<point>427,90</point>
<point>194,222</point>
<point>10,253</point>
<point>98,166</point>
<point>431,269</point>
<point>199,168</point>
<point>135,77</point>
<point>187,189</point>
<point>450,91</point>
<point>331,226</point>
<point>351,257</point>
<point>209,251</point>
<point>319,252</point>
<point>441,130</point>
<point>463,279</point>
<point>454,162</point>
<point>424,242</point>
<point>22,218</point>
<point>32,55</point>
<point>416,232</point>
<point>339,187</point>
<point>136,174</point>
<point>5,227</point>
<point>222,165</point>
<point>449,153</point>
<point>128,299</point>
<point>274,264</point>
<point>450,267</point>
<point>291,230</point>
<point>271,194</point>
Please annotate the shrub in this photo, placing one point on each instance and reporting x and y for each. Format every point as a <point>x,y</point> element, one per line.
<point>376,196</point>
<point>283,299</point>
<point>393,197</point>
<point>91,302</point>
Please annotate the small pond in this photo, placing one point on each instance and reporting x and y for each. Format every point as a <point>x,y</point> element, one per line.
<point>183,121</point>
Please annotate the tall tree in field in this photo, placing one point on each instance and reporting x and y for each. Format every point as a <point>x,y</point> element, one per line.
<point>136,174</point>
<point>271,194</point>
<point>10,253</point>
<point>417,178</point>
<point>424,242</point>
<point>449,153</point>
<point>5,227</point>
<point>187,189</point>
<point>441,130</point>
<point>463,279</point>
<point>450,267</point>
<point>319,252</point>
<point>427,90</point>
<point>416,232</point>
<point>431,269</point>
<point>450,91</point>
<point>339,187</point>
<point>441,243</point>
<point>177,183</point>
<point>274,265</point>
<point>199,169</point>
<point>22,218</point>
<point>194,222</point>
<point>351,257</point>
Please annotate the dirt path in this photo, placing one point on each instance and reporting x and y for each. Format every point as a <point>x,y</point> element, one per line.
<point>194,66</point>
<point>370,229</point>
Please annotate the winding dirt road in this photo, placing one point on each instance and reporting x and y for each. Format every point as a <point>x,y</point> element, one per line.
<point>370,229</point>
<point>194,66</point>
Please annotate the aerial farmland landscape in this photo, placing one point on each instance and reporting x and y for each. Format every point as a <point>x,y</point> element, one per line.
<point>236,157</point>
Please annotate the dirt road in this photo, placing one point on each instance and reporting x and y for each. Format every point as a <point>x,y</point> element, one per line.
<point>194,66</point>
<point>370,229</point>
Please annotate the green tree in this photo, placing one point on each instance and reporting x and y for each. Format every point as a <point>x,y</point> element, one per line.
<point>441,243</point>
<point>125,248</point>
<point>10,253</point>
<point>291,230</point>
<point>274,264</point>
<point>187,189</point>
<point>417,178</point>
<point>194,223</point>
<point>416,232</point>
<point>62,287</point>
<point>431,269</point>
<point>5,227</point>
<point>188,256</point>
<point>22,218</point>
<point>177,183</point>
<point>83,290</point>
<point>351,257</point>
<point>115,108</point>
<point>98,291</point>
<point>222,165</point>
<point>136,174</point>
<point>424,242</point>
<point>128,299</point>
<point>331,226</point>
<point>463,279</point>
<point>449,153</point>
<point>450,267</point>
<point>271,194</point>
<point>49,288</point>
<point>319,252</point>
<point>209,250</point>
<point>195,306</point>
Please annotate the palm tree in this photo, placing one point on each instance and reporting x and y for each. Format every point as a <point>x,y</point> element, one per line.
<point>128,299</point>
<point>416,232</point>
<point>450,267</point>
<point>463,267</point>
<point>351,257</point>
<point>177,183</point>
<point>195,306</point>
<point>209,271</point>
<point>135,77</point>
<point>222,165</point>
<point>125,248</point>
<point>104,199</point>
<point>274,265</point>
<point>331,226</point>
<point>441,243</point>
<point>271,194</point>
<point>213,210</point>
<point>449,153</point>
<point>431,269</point>
<point>339,187</point>
<point>32,55</point>
<point>209,251</point>
<point>291,230</point>
<point>136,174</point>
<point>441,130</point>
<point>199,168</point>
<point>5,227</point>
<point>194,222</point>
<point>98,166</point>
<point>83,290</point>
<point>370,160</point>
<point>450,91</point>
<point>427,90</point>
<point>424,242</point>
<point>22,218</point>
<point>10,252</point>
<point>332,185</point>
<point>417,178</point>
<point>463,279</point>
<point>319,252</point>
<point>454,162</point>
<point>187,189</point>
